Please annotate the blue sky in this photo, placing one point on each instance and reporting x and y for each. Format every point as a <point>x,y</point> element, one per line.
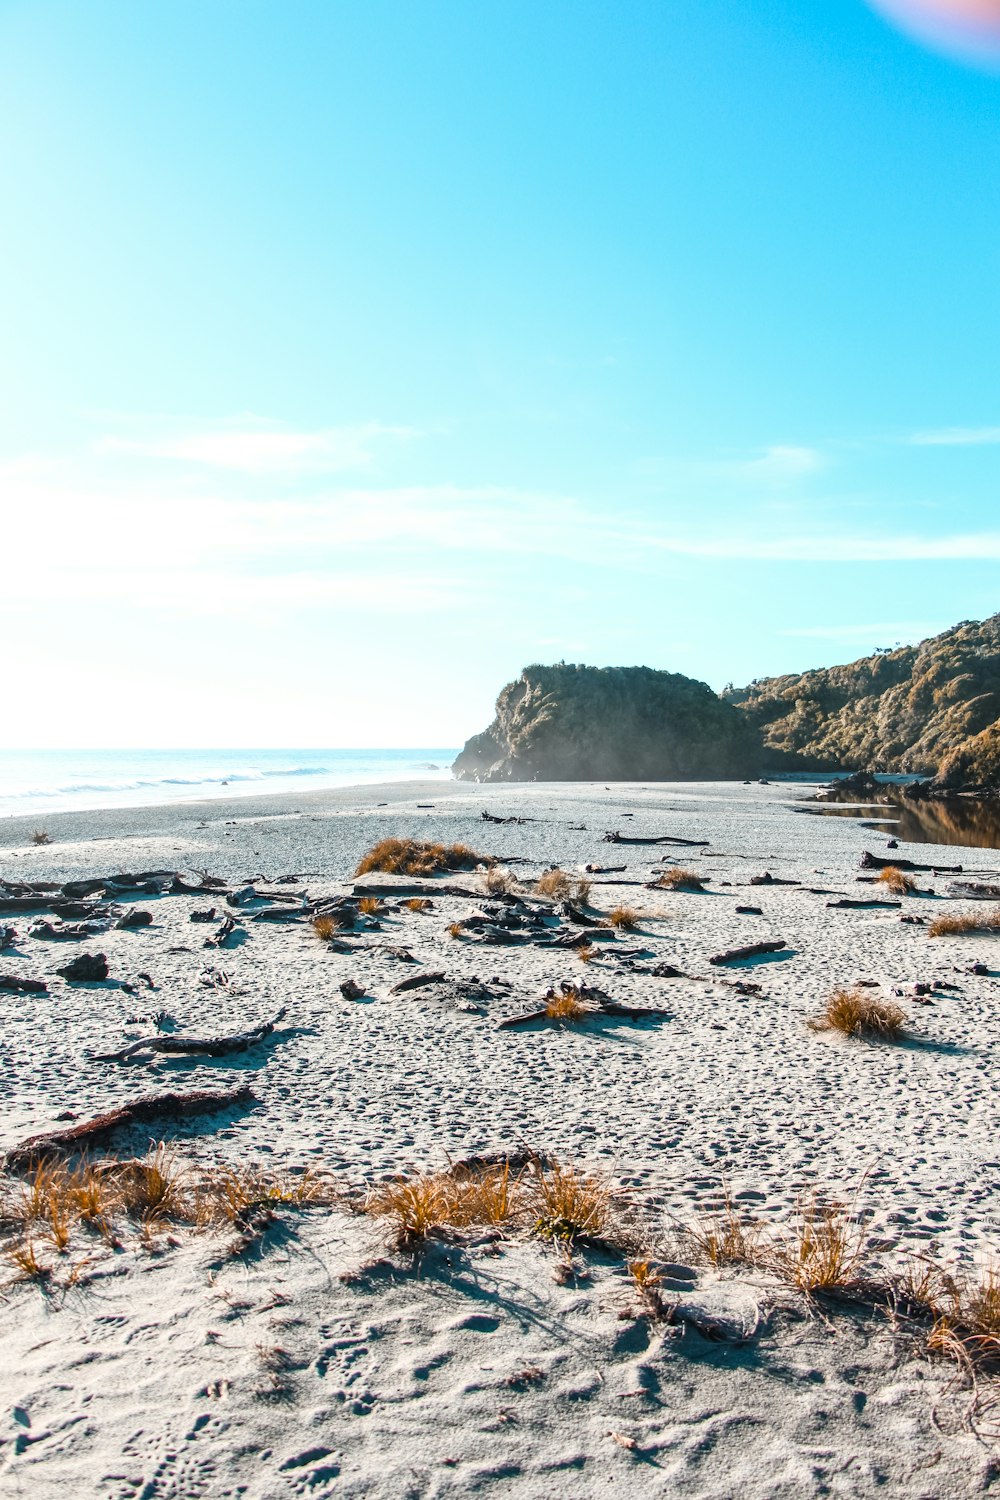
<point>354,356</point>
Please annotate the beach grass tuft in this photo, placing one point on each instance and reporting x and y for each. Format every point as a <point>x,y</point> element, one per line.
<point>625,918</point>
<point>970,922</point>
<point>855,1013</point>
<point>41,836</point>
<point>681,880</point>
<point>418,857</point>
<point>567,1005</point>
<point>896,881</point>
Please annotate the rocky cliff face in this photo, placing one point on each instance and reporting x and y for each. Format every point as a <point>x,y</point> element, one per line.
<point>576,723</point>
<point>931,709</point>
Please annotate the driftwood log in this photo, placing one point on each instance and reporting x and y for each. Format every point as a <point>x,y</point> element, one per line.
<point>752,950</point>
<point>768,879</point>
<point>846,901</point>
<point>972,891</point>
<point>872,862</point>
<point>18,986</point>
<point>367,888</point>
<point>100,1130</point>
<point>417,981</point>
<point>621,838</point>
<point>192,1046</point>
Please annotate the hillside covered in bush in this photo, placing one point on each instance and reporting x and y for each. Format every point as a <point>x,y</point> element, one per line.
<point>930,710</point>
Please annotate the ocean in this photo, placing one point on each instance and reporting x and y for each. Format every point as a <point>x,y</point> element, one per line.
<point>40,781</point>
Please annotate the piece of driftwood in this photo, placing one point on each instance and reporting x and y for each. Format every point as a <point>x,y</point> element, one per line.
<point>417,981</point>
<point>604,869</point>
<point>8,937</point>
<point>666,971</point>
<point>18,986</point>
<point>749,911</point>
<point>78,888</point>
<point>226,930</point>
<point>973,891</point>
<point>279,914</point>
<point>846,901</point>
<point>873,862</point>
<point>752,950</point>
<point>14,906</point>
<point>69,932</point>
<point>351,990</point>
<point>768,879</point>
<point>100,1130</point>
<point>622,838</point>
<point>192,1046</point>
<point>488,817</point>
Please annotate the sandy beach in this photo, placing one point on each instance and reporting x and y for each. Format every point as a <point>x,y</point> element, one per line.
<point>324,1361</point>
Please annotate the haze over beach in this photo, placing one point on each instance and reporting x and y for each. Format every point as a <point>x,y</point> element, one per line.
<point>500,758</point>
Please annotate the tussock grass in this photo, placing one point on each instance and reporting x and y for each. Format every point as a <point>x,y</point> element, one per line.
<point>330,923</point>
<point>681,880</point>
<point>728,1238</point>
<point>970,922</point>
<point>964,1311</point>
<point>586,953</point>
<point>369,905</point>
<point>896,881</point>
<point>418,857</point>
<point>22,1257</point>
<point>455,930</point>
<point>438,1201</point>
<point>824,1250</point>
<point>624,918</point>
<point>41,836</point>
<point>572,1204</point>
<point>418,903</point>
<point>500,881</point>
<point>559,886</point>
<point>856,1013</point>
<point>156,1188</point>
<point>567,1005</point>
<point>553,1201</point>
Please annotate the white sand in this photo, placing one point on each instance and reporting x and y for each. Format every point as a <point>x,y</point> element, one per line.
<point>398,1385</point>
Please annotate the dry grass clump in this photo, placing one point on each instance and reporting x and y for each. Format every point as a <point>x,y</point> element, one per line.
<point>971,922</point>
<point>369,905</point>
<point>964,1312</point>
<point>559,886</point>
<point>231,1195</point>
<point>41,836</point>
<point>455,930</point>
<point>418,857</point>
<point>331,922</point>
<point>567,1005</point>
<point>435,1201</point>
<point>681,880</point>
<point>896,881</point>
<point>418,903</point>
<point>856,1013</point>
<point>625,918</point>
<point>727,1238</point>
<point>57,1199</point>
<point>586,953</point>
<point>553,1201</point>
<point>572,1204</point>
<point>823,1252</point>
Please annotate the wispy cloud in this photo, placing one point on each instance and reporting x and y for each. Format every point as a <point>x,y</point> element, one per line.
<point>957,437</point>
<point>781,462</point>
<point>256,448</point>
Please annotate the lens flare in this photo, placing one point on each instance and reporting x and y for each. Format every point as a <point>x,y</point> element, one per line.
<point>965,28</point>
